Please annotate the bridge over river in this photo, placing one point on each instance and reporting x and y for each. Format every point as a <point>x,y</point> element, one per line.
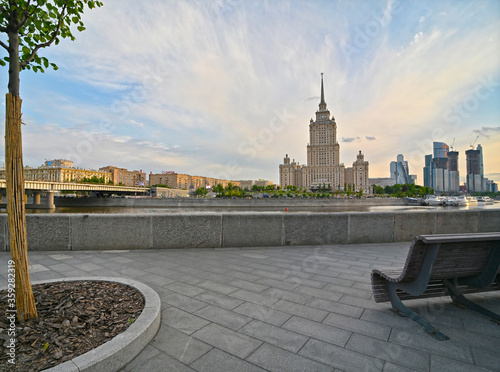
<point>37,188</point>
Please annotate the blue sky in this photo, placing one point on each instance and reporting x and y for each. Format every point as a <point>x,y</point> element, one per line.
<point>226,88</point>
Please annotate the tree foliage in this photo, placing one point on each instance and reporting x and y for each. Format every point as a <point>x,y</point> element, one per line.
<point>403,190</point>
<point>38,24</point>
<point>201,191</point>
<point>93,179</point>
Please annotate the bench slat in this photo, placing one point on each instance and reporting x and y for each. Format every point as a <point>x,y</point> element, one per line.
<point>459,238</point>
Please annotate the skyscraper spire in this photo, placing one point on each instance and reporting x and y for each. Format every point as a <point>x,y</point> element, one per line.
<point>322,91</point>
<point>322,104</point>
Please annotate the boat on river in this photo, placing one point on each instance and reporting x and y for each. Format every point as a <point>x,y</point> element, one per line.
<point>472,200</point>
<point>433,200</point>
<point>485,200</point>
<point>461,200</point>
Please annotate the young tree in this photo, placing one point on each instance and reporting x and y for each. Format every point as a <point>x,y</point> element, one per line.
<point>201,191</point>
<point>29,25</point>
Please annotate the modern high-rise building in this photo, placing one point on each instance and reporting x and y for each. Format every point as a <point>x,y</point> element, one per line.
<point>453,175</point>
<point>441,171</point>
<point>400,171</point>
<point>440,149</point>
<point>491,186</point>
<point>323,167</point>
<point>428,171</point>
<point>474,179</point>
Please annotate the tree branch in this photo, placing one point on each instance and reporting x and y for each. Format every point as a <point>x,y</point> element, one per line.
<point>4,12</point>
<point>24,63</point>
<point>27,15</point>
<point>3,44</point>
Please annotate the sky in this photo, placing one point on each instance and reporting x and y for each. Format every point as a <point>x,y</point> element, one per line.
<point>226,88</point>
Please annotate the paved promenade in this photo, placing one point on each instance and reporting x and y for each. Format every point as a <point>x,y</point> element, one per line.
<point>284,309</point>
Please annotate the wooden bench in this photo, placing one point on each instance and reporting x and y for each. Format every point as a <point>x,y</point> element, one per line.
<point>437,265</point>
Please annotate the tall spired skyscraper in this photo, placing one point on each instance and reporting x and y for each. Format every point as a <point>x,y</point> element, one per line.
<point>323,169</point>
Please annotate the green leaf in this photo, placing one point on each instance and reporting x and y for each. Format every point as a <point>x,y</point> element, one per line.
<point>2,63</point>
<point>46,346</point>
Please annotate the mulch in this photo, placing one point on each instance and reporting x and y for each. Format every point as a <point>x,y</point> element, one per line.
<point>73,318</point>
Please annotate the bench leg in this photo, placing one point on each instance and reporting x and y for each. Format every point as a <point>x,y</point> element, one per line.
<point>458,297</point>
<point>399,306</point>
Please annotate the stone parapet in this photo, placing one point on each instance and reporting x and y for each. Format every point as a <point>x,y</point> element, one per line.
<point>59,232</point>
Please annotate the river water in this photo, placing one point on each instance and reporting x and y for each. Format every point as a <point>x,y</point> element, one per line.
<point>293,209</point>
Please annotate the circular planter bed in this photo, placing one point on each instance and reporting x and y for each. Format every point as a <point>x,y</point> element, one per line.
<point>84,324</point>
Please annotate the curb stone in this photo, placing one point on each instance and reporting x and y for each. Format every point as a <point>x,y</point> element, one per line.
<point>120,350</point>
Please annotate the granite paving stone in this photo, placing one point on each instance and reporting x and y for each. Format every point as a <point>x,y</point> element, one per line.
<point>319,293</point>
<point>220,300</point>
<point>263,313</point>
<point>234,343</point>
<point>442,364</point>
<point>178,345</point>
<point>362,302</point>
<point>185,289</point>
<point>301,308</point>
<point>158,280</point>
<point>277,336</point>
<point>486,359</point>
<point>47,275</point>
<point>218,361</point>
<point>303,281</point>
<point>279,294</point>
<point>153,360</point>
<point>274,359</point>
<point>248,285</point>
<point>223,317</point>
<point>482,326</point>
<point>422,341</point>
<point>256,298</point>
<point>351,291</point>
<point>358,326</point>
<point>36,268</point>
<point>61,267</point>
<point>182,321</point>
<point>408,357</point>
<point>339,357</point>
<point>217,287</point>
<point>391,367</point>
<point>185,303</point>
<point>281,284</point>
<point>317,330</point>
<point>270,274</point>
<point>485,342</point>
<point>336,307</point>
<point>214,277</point>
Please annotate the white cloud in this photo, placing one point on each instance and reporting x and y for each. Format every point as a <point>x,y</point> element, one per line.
<point>418,36</point>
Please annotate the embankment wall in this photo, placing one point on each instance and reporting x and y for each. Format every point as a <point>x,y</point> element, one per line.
<point>264,203</point>
<point>60,232</point>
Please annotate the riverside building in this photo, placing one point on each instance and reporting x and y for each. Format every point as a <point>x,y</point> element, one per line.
<point>60,170</point>
<point>323,167</point>
<point>186,181</point>
<point>122,176</point>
